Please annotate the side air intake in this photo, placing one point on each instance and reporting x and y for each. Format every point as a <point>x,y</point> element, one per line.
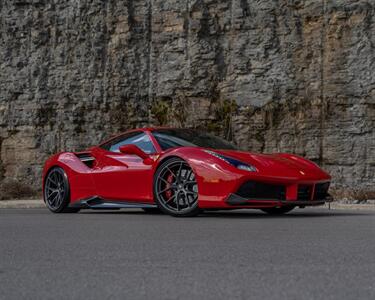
<point>87,159</point>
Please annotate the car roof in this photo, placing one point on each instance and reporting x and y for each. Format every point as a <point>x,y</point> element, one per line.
<point>143,129</point>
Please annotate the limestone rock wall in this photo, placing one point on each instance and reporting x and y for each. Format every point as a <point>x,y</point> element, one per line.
<point>272,75</point>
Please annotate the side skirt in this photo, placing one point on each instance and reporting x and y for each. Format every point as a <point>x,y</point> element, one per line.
<point>98,203</point>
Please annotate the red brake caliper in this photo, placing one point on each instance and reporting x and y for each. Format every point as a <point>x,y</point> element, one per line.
<point>168,193</point>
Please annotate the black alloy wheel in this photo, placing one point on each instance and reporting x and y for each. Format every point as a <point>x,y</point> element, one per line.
<point>176,188</point>
<point>57,191</point>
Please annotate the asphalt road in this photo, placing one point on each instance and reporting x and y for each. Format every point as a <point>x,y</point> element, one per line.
<point>307,254</point>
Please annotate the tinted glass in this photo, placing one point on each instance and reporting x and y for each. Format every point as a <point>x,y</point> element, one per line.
<point>171,138</point>
<point>139,139</point>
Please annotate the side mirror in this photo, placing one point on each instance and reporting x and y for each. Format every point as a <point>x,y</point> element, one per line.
<point>133,149</point>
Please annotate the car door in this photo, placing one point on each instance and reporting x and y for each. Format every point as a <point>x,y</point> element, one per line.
<point>124,177</point>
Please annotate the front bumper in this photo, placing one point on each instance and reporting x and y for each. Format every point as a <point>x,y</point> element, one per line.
<point>255,193</point>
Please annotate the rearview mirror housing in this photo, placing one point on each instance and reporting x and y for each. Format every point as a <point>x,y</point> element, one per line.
<point>133,149</point>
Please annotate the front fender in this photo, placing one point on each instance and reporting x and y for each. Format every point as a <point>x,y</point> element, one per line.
<point>215,178</point>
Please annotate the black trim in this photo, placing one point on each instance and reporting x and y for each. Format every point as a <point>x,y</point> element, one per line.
<point>97,202</point>
<point>261,191</point>
<point>304,192</point>
<point>234,199</point>
<point>321,190</point>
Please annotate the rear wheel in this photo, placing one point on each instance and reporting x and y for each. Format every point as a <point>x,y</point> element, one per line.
<point>57,192</point>
<point>278,210</point>
<point>176,189</point>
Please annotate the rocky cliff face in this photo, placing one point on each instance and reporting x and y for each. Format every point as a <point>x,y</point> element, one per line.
<point>282,75</point>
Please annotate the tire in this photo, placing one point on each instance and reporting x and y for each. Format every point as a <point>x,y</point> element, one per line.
<point>56,192</point>
<point>176,189</point>
<point>151,210</point>
<point>278,210</point>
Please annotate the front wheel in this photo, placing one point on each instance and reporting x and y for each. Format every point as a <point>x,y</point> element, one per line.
<point>57,192</point>
<point>176,188</point>
<point>278,210</point>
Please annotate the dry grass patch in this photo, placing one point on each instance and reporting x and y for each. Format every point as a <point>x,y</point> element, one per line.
<point>358,195</point>
<point>13,189</point>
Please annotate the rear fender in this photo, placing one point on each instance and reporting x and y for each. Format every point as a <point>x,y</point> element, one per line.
<point>79,175</point>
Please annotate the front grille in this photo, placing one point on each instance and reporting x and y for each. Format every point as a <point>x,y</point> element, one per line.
<point>321,191</point>
<point>304,192</point>
<point>263,191</point>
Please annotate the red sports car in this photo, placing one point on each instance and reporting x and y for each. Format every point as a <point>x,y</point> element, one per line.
<point>180,172</point>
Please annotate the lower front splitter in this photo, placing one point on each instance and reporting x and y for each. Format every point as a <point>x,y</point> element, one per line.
<point>236,200</point>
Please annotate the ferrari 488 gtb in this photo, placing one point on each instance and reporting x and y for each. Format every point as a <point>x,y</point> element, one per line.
<point>180,172</point>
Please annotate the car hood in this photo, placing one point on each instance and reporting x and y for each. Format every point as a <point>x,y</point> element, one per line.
<point>279,164</point>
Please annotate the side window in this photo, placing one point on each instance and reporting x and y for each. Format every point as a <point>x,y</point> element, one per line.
<point>139,139</point>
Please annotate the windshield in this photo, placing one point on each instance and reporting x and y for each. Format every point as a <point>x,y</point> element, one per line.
<point>171,138</point>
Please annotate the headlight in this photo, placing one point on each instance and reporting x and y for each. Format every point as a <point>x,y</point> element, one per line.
<point>234,162</point>
<point>246,168</point>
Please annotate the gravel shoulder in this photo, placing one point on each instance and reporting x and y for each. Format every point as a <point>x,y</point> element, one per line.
<point>26,203</point>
